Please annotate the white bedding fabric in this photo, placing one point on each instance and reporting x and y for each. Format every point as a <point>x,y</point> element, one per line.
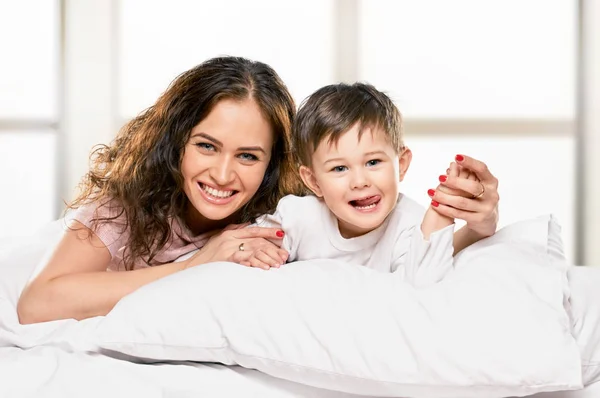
<point>495,327</point>
<point>50,372</point>
<point>49,360</point>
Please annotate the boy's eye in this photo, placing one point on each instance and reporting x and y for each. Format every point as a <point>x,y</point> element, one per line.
<point>206,146</point>
<point>339,169</point>
<point>248,156</point>
<point>373,162</point>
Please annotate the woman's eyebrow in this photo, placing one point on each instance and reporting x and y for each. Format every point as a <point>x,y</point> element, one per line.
<point>209,138</point>
<point>219,143</point>
<point>252,149</point>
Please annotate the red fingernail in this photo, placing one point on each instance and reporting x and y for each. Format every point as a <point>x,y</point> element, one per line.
<point>459,158</point>
<point>279,234</point>
<point>430,192</point>
<point>443,178</point>
<point>434,203</point>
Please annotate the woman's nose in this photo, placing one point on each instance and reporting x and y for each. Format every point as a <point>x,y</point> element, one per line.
<point>222,171</point>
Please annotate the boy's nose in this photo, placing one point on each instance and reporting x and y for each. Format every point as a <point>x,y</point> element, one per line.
<point>359,180</point>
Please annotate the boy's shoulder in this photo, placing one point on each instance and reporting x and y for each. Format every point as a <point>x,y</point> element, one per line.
<point>293,202</point>
<point>407,212</point>
<point>301,208</point>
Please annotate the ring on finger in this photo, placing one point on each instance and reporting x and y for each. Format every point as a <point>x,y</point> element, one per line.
<point>480,194</point>
<point>241,247</point>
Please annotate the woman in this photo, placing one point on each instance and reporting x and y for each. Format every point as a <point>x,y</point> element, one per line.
<point>211,153</point>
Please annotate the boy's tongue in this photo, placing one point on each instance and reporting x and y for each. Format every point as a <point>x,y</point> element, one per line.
<point>366,201</point>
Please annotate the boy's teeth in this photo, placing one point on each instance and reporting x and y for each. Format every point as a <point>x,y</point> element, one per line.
<point>366,207</point>
<point>366,202</point>
<point>216,192</point>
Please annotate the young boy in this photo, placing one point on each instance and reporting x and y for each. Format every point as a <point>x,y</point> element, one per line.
<point>348,139</point>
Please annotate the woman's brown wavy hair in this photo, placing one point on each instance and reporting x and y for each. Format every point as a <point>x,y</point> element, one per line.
<point>140,171</point>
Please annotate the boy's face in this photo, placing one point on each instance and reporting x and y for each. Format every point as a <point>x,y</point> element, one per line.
<point>358,179</point>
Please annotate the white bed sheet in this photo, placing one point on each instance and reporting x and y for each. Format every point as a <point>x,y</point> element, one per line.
<point>44,372</point>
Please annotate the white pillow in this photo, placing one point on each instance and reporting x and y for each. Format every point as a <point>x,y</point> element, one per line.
<point>496,327</point>
<point>585,302</point>
<point>19,257</point>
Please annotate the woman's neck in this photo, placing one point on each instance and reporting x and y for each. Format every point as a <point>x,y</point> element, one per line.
<point>198,224</point>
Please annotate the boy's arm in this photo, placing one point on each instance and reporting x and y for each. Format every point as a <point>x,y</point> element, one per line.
<point>434,221</point>
<point>424,262</point>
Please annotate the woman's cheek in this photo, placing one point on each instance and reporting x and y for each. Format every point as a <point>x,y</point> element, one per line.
<point>254,177</point>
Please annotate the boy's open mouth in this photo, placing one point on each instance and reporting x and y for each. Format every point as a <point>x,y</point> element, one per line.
<point>368,203</point>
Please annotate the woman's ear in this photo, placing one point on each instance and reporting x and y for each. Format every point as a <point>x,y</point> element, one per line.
<point>404,160</point>
<point>308,177</point>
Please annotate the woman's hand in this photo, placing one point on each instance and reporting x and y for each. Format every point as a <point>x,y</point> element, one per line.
<point>250,246</point>
<point>474,200</point>
<point>265,258</point>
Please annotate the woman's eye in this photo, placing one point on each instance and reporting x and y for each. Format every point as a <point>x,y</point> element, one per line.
<point>373,162</point>
<point>206,146</point>
<point>248,156</point>
<point>339,169</point>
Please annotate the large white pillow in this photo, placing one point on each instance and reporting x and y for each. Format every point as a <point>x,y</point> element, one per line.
<point>496,327</point>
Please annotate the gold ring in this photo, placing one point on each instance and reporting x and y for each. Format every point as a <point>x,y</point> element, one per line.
<point>480,193</point>
<point>241,247</point>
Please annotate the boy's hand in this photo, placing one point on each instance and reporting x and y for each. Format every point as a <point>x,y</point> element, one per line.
<point>473,198</point>
<point>456,170</point>
<point>434,221</point>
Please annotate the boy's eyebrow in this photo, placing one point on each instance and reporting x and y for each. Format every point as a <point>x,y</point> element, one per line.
<point>333,160</point>
<point>366,154</point>
<point>375,153</point>
<point>219,143</point>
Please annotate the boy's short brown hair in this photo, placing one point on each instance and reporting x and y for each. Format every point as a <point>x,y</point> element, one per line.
<point>333,110</point>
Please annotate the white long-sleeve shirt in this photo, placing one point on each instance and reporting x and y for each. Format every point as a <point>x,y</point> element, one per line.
<point>311,232</point>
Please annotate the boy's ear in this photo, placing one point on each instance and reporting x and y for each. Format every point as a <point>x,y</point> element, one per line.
<point>310,181</point>
<point>404,160</point>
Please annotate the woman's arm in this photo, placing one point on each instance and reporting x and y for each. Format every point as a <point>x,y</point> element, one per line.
<point>465,237</point>
<point>75,284</point>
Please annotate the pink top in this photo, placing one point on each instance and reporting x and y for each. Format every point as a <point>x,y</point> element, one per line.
<point>114,235</point>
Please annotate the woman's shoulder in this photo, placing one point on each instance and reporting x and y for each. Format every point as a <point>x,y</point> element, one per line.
<point>107,219</point>
<point>108,211</point>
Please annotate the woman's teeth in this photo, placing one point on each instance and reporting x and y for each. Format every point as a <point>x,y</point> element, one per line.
<point>216,193</point>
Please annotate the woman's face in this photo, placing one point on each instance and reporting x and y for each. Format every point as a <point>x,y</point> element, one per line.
<point>225,159</point>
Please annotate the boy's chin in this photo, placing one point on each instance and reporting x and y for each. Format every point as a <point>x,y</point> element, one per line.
<point>362,227</point>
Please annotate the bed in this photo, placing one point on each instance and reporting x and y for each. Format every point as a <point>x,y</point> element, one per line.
<point>54,360</point>
<point>43,372</point>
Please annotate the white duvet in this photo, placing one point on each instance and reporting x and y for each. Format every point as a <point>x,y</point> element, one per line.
<point>324,327</point>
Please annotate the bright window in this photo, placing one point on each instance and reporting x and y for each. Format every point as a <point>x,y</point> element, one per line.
<point>29,48</point>
<point>471,58</point>
<point>27,166</point>
<point>28,114</point>
<point>169,37</point>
